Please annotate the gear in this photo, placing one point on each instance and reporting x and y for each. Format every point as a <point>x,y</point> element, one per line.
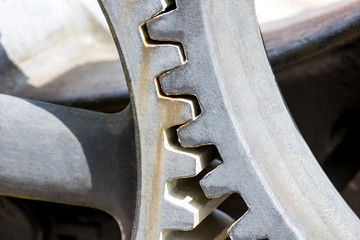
<point>209,121</point>
<point>264,156</point>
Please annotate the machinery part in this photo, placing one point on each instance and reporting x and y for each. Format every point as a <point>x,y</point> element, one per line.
<point>68,155</point>
<point>162,205</point>
<point>316,63</point>
<point>313,56</point>
<point>160,159</point>
<point>100,85</point>
<point>264,157</point>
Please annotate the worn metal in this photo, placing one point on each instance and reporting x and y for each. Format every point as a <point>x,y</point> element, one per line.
<point>99,84</point>
<point>210,49</point>
<point>317,65</point>
<point>68,155</point>
<point>264,156</point>
<point>162,204</point>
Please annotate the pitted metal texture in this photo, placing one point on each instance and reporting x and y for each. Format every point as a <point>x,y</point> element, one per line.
<point>206,120</point>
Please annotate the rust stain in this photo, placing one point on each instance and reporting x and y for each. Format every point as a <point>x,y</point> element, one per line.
<point>146,80</point>
<point>142,88</point>
<point>157,184</point>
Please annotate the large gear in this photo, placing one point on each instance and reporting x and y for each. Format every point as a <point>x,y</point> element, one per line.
<point>264,156</point>
<point>209,122</point>
<point>163,204</point>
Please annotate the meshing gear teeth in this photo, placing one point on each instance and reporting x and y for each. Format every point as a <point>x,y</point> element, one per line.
<point>264,157</point>
<point>163,202</point>
<point>213,227</point>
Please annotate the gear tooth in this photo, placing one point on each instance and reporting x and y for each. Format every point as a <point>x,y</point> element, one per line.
<point>180,218</point>
<point>175,83</point>
<point>183,166</point>
<point>214,184</point>
<point>213,227</point>
<point>248,227</point>
<point>165,57</point>
<point>182,162</point>
<point>188,195</point>
<point>185,108</point>
<point>166,27</point>
<point>193,134</point>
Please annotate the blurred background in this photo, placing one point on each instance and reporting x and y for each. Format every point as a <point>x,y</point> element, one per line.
<point>272,10</point>
<point>45,39</point>
<point>62,52</point>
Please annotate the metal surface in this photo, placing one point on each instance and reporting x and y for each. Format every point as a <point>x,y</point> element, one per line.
<point>161,204</point>
<point>99,84</point>
<point>210,49</point>
<point>264,157</point>
<point>316,62</point>
<point>68,155</point>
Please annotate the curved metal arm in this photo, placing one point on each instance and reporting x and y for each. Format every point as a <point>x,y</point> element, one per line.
<point>68,155</point>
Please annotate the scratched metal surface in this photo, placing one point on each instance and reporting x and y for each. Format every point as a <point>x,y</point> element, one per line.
<point>262,154</point>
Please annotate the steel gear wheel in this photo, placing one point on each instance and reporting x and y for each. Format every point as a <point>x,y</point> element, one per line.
<point>264,156</point>
<point>209,121</point>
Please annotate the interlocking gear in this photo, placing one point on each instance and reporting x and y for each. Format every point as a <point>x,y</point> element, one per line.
<point>264,156</point>
<point>209,121</point>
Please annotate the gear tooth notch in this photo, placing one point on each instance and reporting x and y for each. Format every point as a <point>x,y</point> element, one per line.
<point>213,183</point>
<point>166,27</point>
<point>173,82</point>
<point>194,133</point>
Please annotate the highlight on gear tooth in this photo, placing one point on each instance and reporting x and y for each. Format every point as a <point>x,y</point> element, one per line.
<point>244,116</point>
<point>183,195</point>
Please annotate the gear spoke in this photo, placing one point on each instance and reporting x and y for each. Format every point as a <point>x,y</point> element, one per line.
<point>60,154</point>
